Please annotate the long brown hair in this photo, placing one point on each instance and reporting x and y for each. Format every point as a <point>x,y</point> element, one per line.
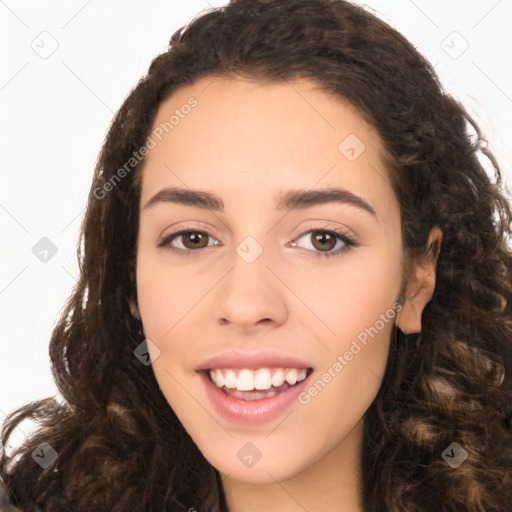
<point>119,444</point>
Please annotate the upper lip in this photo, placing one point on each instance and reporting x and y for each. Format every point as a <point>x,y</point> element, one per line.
<point>252,360</point>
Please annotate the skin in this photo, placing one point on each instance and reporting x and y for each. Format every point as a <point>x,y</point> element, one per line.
<point>264,138</point>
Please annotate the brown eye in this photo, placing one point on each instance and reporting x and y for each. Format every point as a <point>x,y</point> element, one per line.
<point>326,243</point>
<point>187,241</point>
<point>323,241</point>
<point>194,240</point>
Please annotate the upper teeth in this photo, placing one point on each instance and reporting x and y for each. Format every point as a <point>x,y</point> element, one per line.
<point>263,378</point>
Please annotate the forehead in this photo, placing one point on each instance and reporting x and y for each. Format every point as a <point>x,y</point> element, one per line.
<point>240,135</point>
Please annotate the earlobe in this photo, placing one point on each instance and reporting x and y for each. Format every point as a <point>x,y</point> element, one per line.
<point>420,287</point>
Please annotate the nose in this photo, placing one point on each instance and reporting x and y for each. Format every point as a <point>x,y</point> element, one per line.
<point>250,296</point>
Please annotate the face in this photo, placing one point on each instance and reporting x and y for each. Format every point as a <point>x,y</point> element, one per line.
<point>251,274</point>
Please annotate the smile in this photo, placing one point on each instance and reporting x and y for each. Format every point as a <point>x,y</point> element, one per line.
<point>253,406</point>
<point>248,384</point>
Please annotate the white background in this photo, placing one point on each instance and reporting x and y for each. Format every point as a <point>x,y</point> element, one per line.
<point>56,110</point>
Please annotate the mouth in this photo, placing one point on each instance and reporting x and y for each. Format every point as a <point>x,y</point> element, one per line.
<point>249,384</point>
<point>252,396</point>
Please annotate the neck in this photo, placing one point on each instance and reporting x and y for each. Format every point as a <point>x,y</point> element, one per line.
<point>332,483</point>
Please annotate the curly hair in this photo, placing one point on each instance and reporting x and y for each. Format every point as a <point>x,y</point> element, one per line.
<point>121,447</point>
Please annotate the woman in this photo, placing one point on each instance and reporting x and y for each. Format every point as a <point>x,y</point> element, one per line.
<point>295,286</point>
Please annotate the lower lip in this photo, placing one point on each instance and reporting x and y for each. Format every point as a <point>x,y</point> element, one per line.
<point>253,412</point>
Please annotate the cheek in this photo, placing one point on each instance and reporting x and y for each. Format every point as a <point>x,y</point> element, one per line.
<point>356,301</point>
<point>157,302</point>
<point>354,359</point>
<point>167,294</point>
<point>347,297</point>
<point>164,299</point>
<point>174,306</point>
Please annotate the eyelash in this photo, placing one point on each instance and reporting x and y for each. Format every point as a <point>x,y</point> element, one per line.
<point>348,241</point>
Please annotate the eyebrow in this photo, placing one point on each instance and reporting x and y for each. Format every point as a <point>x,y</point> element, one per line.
<point>290,200</point>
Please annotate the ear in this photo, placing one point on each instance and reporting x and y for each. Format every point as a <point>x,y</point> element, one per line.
<point>420,287</point>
